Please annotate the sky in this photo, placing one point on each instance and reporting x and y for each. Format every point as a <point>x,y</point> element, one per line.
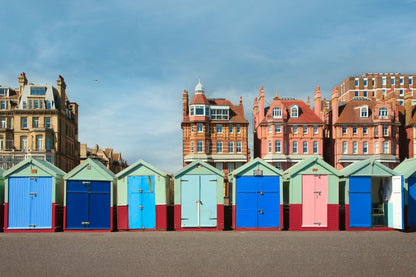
<point>144,54</point>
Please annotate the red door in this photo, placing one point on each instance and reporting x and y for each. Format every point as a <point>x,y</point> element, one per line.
<point>314,200</point>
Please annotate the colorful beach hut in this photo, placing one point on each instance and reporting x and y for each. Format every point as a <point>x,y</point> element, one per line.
<point>373,196</point>
<point>313,196</point>
<point>407,168</point>
<point>33,197</point>
<point>143,198</point>
<point>199,198</point>
<point>1,199</point>
<point>257,198</point>
<point>89,198</point>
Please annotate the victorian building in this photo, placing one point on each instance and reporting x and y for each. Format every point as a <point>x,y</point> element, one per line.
<point>38,121</point>
<point>107,157</point>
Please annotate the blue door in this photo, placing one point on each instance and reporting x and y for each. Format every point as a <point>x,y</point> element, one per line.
<point>88,205</point>
<point>258,201</point>
<point>360,202</point>
<point>142,208</point>
<point>199,201</point>
<point>411,205</point>
<point>30,203</point>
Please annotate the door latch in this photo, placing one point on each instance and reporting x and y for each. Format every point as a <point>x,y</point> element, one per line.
<point>85,223</point>
<point>318,192</point>
<point>261,211</point>
<point>261,193</point>
<point>33,193</point>
<point>32,225</point>
<point>141,207</point>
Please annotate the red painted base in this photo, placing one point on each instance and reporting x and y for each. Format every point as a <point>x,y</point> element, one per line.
<point>348,228</point>
<point>56,221</point>
<point>295,219</point>
<point>161,219</point>
<point>234,225</point>
<point>122,218</point>
<point>220,220</point>
<point>1,216</point>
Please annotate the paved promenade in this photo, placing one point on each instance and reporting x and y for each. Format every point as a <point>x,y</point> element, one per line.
<point>209,254</point>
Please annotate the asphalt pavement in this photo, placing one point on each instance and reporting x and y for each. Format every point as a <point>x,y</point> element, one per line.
<point>227,253</point>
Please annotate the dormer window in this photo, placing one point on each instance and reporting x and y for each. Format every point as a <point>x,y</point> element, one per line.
<point>383,113</point>
<point>199,110</point>
<point>277,113</point>
<point>219,113</point>
<point>3,91</point>
<point>364,111</point>
<point>294,111</point>
<point>37,91</point>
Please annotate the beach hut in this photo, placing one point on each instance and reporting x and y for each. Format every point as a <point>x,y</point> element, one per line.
<point>257,198</point>
<point>143,199</point>
<point>33,197</point>
<point>313,195</point>
<point>407,168</point>
<point>89,198</point>
<point>373,196</point>
<point>1,199</point>
<point>199,198</point>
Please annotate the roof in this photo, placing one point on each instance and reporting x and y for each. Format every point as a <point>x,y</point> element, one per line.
<point>406,168</point>
<point>253,162</point>
<point>96,165</point>
<point>301,165</point>
<point>368,167</point>
<point>46,166</point>
<point>196,163</point>
<point>127,170</point>
<point>199,99</point>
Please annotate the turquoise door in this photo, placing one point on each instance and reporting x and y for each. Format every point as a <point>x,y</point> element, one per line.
<point>199,201</point>
<point>142,208</point>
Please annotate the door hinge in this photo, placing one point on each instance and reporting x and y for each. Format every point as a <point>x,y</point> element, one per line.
<point>33,193</point>
<point>86,183</point>
<point>317,223</point>
<point>32,225</point>
<point>33,178</point>
<point>141,207</point>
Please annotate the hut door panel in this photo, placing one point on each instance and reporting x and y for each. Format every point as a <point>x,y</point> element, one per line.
<point>208,201</point>
<point>314,200</point>
<point>396,203</point>
<point>189,199</point>
<point>360,201</point>
<point>40,202</point>
<point>99,205</point>
<point>412,202</point>
<point>134,202</point>
<point>268,201</point>
<point>148,209</point>
<point>77,205</point>
<point>246,210</point>
<point>19,203</point>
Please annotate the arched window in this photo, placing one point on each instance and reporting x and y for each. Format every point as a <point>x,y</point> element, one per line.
<point>364,111</point>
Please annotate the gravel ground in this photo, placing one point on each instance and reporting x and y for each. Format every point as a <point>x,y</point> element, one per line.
<point>208,253</point>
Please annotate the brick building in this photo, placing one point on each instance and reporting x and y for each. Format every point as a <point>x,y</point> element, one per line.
<point>107,157</point>
<point>38,121</point>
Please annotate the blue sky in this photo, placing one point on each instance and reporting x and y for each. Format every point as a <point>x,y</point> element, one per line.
<point>145,53</point>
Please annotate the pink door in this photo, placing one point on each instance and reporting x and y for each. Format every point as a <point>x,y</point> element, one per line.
<point>314,200</point>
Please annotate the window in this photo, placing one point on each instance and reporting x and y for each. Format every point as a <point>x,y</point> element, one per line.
<point>207,129</point>
<point>295,147</point>
<point>294,111</point>
<point>410,81</point>
<point>192,128</point>
<point>376,147</point>
<point>3,91</point>
<point>37,91</point>
<point>365,130</point>
<point>238,128</point>
<point>3,105</point>
<point>356,93</point>
<point>219,146</point>
<point>365,93</point>
<point>218,166</point>
<point>365,147</point>
<point>230,147</point>
<point>392,81</point>
<point>385,147</point>
<point>24,105</point>
<point>237,165</point>
<point>355,147</point>
<point>277,128</point>
<point>192,110</point>
<point>199,110</point>
<point>383,81</point>
<point>219,114</point>
<point>364,111</point>
<point>365,82</point>
<point>315,147</point>
<point>269,129</point>
<point>48,105</point>
<point>36,104</point>
<point>206,111</point>
<point>401,80</point>
<point>277,146</point>
<point>230,128</point>
<point>238,147</point>
<point>24,122</point>
<point>199,128</point>
<point>295,129</point>
<point>278,165</point>
<point>219,128</point>
<point>23,143</point>
<point>344,147</point>
<point>382,113</point>
<point>41,104</point>
<point>373,82</point>
<point>207,144</point>
<point>48,143</point>
<point>47,122</point>
<point>357,82</point>
<point>385,130</point>
<point>3,123</point>
<point>199,146</point>
<point>277,113</point>
<point>36,122</point>
<point>354,130</point>
<point>305,129</point>
<point>39,143</point>
<point>269,147</point>
<point>315,129</point>
<point>305,147</point>
<point>344,129</point>
<point>192,147</point>
<point>401,92</point>
<point>376,131</point>
<point>230,167</point>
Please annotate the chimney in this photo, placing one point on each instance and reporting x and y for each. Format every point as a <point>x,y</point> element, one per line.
<point>408,107</point>
<point>261,105</point>
<point>317,102</point>
<point>308,102</point>
<point>185,103</point>
<point>334,105</point>
<point>61,91</point>
<point>255,113</point>
<point>22,82</point>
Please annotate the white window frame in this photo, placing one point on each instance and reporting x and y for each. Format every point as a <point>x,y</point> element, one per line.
<point>365,147</point>
<point>295,147</point>
<point>218,128</point>
<point>277,146</point>
<point>277,112</point>
<point>277,128</point>
<point>294,111</point>
<point>383,113</point>
<point>199,128</point>
<point>199,146</point>
<point>344,147</point>
<point>231,147</point>
<point>305,129</point>
<point>365,130</point>
<point>383,81</point>
<point>305,147</point>
<point>386,147</point>
<point>219,147</point>
<point>354,130</point>
<point>315,129</point>
<point>238,147</point>
<point>315,147</point>
<point>355,147</point>
<point>364,112</point>
<point>269,129</point>
<point>269,147</point>
<point>376,147</point>
<point>385,130</point>
<point>295,129</point>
